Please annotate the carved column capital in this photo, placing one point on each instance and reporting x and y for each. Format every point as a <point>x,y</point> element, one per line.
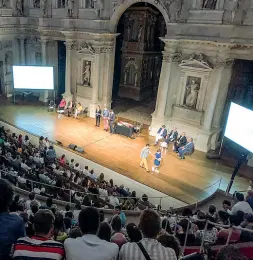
<point>69,45</point>
<point>172,57</point>
<point>43,41</point>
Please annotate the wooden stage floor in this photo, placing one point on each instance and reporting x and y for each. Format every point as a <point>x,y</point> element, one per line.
<point>185,180</point>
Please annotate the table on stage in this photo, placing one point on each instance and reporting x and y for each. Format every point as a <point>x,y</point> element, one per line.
<point>125,129</point>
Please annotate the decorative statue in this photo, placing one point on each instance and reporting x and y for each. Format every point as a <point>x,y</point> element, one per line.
<point>191,95</point>
<point>20,7</point>
<point>8,62</point>
<point>87,73</point>
<point>36,3</point>
<point>99,6</point>
<point>174,7</point>
<point>70,7</point>
<point>43,7</point>
<point>135,79</point>
<point>140,34</point>
<point>209,4</point>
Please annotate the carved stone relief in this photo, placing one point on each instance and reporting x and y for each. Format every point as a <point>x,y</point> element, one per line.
<point>86,74</point>
<point>131,73</point>
<point>62,3</point>
<point>99,7</point>
<point>8,62</point>
<point>85,47</point>
<point>7,44</point>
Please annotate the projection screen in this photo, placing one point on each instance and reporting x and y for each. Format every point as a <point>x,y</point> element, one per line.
<point>33,77</point>
<point>240,126</point>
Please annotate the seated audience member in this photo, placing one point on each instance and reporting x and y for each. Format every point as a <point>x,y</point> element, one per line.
<point>29,201</point>
<point>72,163</point>
<point>77,211</point>
<point>60,233</point>
<point>188,148</point>
<point>121,215</point>
<point>51,155</point>
<point>62,160</point>
<point>62,105</point>
<point>150,228</point>
<point>170,241</point>
<point>249,198</point>
<point>77,167</point>
<point>230,253</point>
<point>236,233</point>
<point>212,212</point>
<point>241,205</point>
<point>182,233</point>
<point>26,141</point>
<point>181,141</point>
<point>166,226</point>
<point>210,235</point>
<point>12,226</point>
<point>92,175</point>
<point>78,110</point>
<point>226,204</point>
<point>144,203</point>
<point>161,134</point>
<point>104,231</point>
<point>86,171</point>
<point>75,233</point>
<point>113,200</point>
<point>40,245</point>
<point>223,217</point>
<point>133,233</point>
<point>117,236</point>
<point>89,246</point>
<point>46,143</point>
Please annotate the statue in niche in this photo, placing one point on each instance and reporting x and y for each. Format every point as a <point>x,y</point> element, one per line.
<point>36,3</point>
<point>209,4</point>
<point>20,7</point>
<point>99,6</point>
<point>174,7</point>
<point>192,92</point>
<point>43,7</point>
<point>70,4</point>
<point>8,62</point>
<point>87,73</point>
<point>140,33</point>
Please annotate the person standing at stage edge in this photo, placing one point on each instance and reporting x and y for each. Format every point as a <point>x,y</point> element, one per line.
<point>105,118</point>
<point>98,116</point>
<point>111,121</point>
<point>144,155</point>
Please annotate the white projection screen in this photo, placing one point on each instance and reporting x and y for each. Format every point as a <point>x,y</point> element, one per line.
<point>240,126</point>
<point>33,77</point>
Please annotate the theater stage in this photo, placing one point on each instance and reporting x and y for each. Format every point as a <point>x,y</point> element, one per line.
<point>186,180</point>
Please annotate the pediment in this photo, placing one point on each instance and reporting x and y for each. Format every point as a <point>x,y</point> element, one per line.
<point>193,63</point>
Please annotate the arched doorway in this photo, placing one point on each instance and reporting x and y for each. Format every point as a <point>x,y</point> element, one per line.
<point>138,60</point>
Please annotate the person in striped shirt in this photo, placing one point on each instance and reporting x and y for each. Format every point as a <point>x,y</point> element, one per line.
<point>40,246</point>
<point>149,246</point>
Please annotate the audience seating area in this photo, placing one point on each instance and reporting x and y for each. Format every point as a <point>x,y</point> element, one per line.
<point>224,233</point>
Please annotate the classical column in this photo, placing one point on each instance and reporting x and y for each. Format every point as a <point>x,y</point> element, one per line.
<point>97,77</point>
<point>213,96</point>
<point>44,94</point>
<point>16,51</point>
<point>108,76</point>
<point>22,50</point>
<point>67,95</point>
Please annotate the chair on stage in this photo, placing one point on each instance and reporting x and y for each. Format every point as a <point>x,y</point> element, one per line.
<point>51,106</point>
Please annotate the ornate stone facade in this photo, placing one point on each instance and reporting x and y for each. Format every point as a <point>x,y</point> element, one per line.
<point>191,89</point>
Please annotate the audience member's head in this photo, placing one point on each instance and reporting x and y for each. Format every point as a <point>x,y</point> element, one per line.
<point>212,209</point>
<point>187,212</point>
<point>149,223</point>
<point>67,207</point>
<point>116,223</point>
<point>6,194</point>
<point>104,231</point>
<point>226,205</point>
<point>230,253</point>
<point>170,241</point>
<point>184,224</point>
<point>49,202</point>
<point>31,195</point>
<point>75,233</point>
<point>133,233</point>
<point>234,220</point>
<point>239,196</point>
<point>44,223</point>
<point>223,217</point>
<point>89,220</point>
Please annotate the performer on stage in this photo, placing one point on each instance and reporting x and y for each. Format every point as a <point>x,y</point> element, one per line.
<point>111,121</point>
<point>69,108</point>
<point>144,155</point>
<point>98,115</point>
<point>173,135</point>
<point>157,161</point>
<point>188,148</point>
<point>182,140</point>
<point>161,134</point>
<point>105,118</point>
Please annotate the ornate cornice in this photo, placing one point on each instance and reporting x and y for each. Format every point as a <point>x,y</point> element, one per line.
<point>222,64</point>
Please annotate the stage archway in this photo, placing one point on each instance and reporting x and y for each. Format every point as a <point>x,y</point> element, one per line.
<point>120,10</point>
<point>138,59</point>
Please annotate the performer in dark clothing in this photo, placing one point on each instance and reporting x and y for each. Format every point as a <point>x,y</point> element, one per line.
<point>181,141</point>
<point>98,116</point>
